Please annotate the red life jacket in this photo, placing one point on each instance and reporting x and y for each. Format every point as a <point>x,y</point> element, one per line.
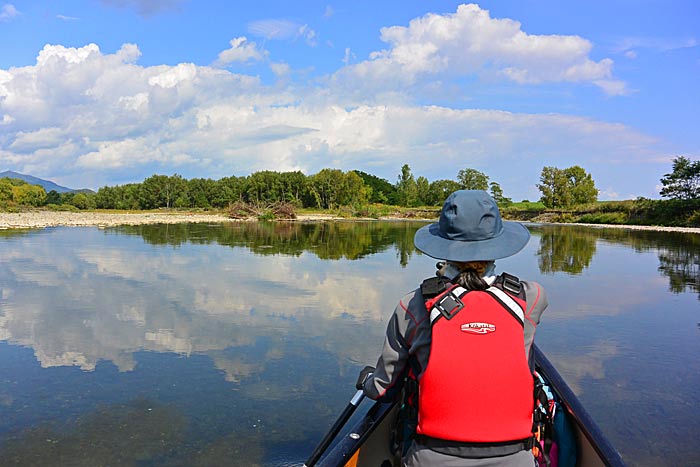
<point>477,386</point>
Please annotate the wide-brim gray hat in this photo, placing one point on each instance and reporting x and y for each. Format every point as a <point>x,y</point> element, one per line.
<point>471,229</point>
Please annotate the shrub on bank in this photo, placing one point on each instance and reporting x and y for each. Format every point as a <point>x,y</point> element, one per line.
<point>604,218</point>
<point>694,219</point>
<point>642,211</point>
<point>671,212</point>
<point>262,212</point>
<point>370,211</point>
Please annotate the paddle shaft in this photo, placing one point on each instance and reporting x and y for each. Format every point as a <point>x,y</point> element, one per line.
<point>337,426</point>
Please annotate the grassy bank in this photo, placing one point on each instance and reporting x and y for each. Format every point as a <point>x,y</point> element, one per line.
<point>642,211</point>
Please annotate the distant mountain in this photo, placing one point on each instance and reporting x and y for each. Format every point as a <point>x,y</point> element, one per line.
<point>47,184</point>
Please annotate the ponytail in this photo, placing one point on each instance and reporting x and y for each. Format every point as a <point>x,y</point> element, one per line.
<point>471,276</point>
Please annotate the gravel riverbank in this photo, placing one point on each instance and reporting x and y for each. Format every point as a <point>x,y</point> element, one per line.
<point>41,219</point>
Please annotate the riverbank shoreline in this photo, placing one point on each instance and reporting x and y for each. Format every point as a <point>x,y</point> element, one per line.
<point>43,219</point>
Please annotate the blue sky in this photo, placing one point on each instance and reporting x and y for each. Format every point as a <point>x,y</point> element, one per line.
<point>104,92</point>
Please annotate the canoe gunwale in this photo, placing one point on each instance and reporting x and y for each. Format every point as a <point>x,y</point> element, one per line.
<point>348,445</point>
<point>585,425</point>
<point>583,420</point>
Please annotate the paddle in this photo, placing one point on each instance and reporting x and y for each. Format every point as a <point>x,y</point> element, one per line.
<point>337,426</point>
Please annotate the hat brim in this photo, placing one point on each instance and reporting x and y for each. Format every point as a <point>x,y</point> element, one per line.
<point>512,239</point>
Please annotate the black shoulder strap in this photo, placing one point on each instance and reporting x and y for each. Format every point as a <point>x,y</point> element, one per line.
<point>511,284</point>
<point>432,287</point>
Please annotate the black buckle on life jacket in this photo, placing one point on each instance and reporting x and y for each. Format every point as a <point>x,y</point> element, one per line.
<point>511,283</point>
<point>449,305</point>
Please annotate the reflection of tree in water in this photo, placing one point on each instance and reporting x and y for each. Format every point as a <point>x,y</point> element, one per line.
<point>565,249</point>
<point>678,252</point>
<point>327,240</point>
<point>8,233</point>
<point>571,249</point>
<point>681,264</point>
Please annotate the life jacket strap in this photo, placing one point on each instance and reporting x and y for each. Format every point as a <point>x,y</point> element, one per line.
<point>448,304</point>
<point>507,301</point>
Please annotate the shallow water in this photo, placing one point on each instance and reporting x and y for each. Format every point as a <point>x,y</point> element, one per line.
<point>238,345</point>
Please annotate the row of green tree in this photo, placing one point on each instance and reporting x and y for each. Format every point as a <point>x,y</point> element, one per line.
<point>327,189</point>
<point>331,189</point>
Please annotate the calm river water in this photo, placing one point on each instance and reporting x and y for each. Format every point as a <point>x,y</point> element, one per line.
<point>238,345</point>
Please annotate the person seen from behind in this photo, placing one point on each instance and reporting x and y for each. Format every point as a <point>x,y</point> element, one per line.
<point>465,339</point>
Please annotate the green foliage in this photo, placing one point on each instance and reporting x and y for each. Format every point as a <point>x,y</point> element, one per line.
<point>407,188</point>
<point>29,195</point>
<point>565,188</point>
<point>581,184</point>
<point>5,190</point>
<point>53,197</point>
<point>671,212</point>
<point>119,197</point>
<point>472,179</point>
<point>14,191</point>
<point>684,181</point>
<point>422,191</point>
<point>526,205</point>
<point>262,211</point>
<point>366,210</point>
<point>382,191</point>
<point>198,194</point>
<point>440,190</point>
<point>608,206</point>
<point>331,188</point>
<point>160,191</point>
<point>266,215</point>
<point>13,181</point>
<point>497,194</point>
<point>604,218</point>
<point>83,201</point>
<point>269,186</point>
<point>564,218</point>
<point>694,219</point>
<point>553,186</point>
<point>227,190</point>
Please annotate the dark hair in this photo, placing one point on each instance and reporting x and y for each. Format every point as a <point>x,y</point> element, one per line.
<point>470,279</point>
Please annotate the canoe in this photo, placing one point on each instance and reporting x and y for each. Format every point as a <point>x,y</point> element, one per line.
<point>367,442</point>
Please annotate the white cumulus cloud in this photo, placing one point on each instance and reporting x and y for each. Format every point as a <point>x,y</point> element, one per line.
<point>470,42</point>
<point>241,51</point>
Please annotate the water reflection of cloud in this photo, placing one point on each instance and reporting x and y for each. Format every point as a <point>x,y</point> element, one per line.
<point>92,302</point>
<point>574,368</point>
